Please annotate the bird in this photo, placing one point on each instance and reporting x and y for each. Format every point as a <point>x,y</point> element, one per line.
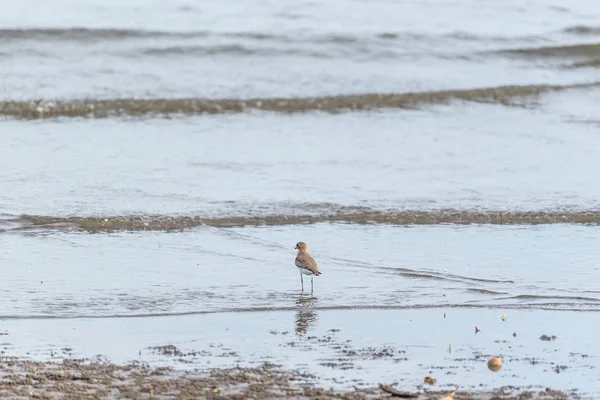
<point>306,264</point>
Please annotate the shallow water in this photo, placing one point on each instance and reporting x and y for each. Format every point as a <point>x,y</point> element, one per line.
<point>54,274</point>
<point>463,157</point>
<point>160,161</point>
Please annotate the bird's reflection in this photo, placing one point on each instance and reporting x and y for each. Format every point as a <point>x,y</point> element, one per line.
<point>306,316</point>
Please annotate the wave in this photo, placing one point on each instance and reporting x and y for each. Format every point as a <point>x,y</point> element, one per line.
<point>532,297</point>
<point>567,51</point>
<point>485,291</point>
<point>583,30</point>
<point>227,49</point>
<point>376,45</point>
<point>84,34</point>
<point>442,276</point>
<point>402,45</point>
<point>553,306</point>
<point>347,215</point>
<point>104,108</point>
<point>200,50</point>
<point>89,34</point>
<point>595,63</point>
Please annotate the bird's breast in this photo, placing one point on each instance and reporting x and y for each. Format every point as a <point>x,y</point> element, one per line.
<point>305,271</point>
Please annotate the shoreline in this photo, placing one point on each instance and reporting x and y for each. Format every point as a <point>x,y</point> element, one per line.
<point>338,353</point>
<point>83,379</point>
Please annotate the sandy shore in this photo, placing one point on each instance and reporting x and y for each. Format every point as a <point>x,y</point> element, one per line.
<point>80,379</point>
<point>310,353</point>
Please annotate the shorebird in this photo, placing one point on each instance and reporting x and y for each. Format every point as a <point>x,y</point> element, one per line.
<point>306,264</point>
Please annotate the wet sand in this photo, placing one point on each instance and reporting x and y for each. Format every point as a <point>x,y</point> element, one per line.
<point>309,352</point>
<point>502,95</point>
<point>328,213</point>
<point>80,379</point>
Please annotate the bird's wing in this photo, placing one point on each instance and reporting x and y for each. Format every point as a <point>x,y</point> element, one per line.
<point>305,261</point>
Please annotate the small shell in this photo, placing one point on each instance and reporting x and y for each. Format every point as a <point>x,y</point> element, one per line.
<point>495,364</point>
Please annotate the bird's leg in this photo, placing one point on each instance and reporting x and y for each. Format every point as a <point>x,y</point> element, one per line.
<point>302,282</point>
<point>312,284</point>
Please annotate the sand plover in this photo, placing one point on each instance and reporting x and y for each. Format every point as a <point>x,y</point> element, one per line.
<point>306,264</point>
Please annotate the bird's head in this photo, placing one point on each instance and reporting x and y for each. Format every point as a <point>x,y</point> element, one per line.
<point>301,246</point>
